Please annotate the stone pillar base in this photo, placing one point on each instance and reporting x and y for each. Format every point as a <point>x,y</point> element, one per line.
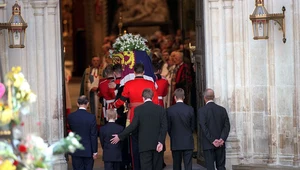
<point>60,164</point>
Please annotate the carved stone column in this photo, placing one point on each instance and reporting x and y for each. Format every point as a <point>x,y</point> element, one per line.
<point>220,39</point>
<point>48,68</point>
<point>3,48</point>
<point>296,104</point>
<point>54,59</point>
<point>40,60</point>
<point>233,144</point>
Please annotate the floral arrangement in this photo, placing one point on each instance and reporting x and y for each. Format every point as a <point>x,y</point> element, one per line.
<point>31,152</point>
<point>34,153</point>
<point>18,97</point>
<point>129,42</point>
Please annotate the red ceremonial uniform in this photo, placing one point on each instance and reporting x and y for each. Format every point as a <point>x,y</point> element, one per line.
<point>107,93</point>
<point>104,90</point>
<point>133,90</point>
<point>162,89</point>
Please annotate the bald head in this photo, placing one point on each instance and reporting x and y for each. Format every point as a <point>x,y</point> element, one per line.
<point>208,94</point>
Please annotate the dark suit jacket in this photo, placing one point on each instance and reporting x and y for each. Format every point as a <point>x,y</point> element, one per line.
<point>214,123</point>
<point>180,126</point>
<point>83,123</point>
<point>151,122</point>
<point>111,152</point>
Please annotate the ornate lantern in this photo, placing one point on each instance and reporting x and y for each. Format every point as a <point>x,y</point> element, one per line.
<point>260,21</point>
<point>16,28</point>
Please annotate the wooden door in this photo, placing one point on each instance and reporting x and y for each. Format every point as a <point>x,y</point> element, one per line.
<point>199,55</point>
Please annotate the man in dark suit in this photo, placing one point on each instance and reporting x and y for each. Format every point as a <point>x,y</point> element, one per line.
<point>151,122</point>
<point>180,128</point>
<point>112,153</point>
<point>215,127</point>
<point>83,123</point>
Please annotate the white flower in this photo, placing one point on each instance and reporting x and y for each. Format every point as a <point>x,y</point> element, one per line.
<point>75,142</point>
<point>32,97</point>
<point>71,134</point>
<point>129,42</point>
<point>71,148</point>
<point>25,86</point>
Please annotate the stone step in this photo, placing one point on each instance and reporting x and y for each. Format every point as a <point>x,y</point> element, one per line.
<point>263,167</point>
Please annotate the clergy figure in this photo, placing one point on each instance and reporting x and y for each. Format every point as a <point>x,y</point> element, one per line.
<point>89,88</point>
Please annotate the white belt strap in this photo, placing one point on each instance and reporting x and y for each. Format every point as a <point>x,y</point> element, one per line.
<point>110,101</point>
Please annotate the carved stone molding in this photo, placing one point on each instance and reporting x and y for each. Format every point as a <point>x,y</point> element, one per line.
<point>52,7</point>
<point>52,4</point>
<point>38,7</point>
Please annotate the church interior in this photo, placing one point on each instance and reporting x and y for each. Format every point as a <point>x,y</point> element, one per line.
<point>89,28</point>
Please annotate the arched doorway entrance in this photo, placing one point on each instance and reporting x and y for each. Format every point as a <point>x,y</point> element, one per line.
<point>80,30</point>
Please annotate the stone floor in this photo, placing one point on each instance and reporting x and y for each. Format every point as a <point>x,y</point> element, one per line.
<point>74,86</point>
<point>262,167</point>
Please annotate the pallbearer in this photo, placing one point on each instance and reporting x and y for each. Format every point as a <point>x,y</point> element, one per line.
<point>132,91</point>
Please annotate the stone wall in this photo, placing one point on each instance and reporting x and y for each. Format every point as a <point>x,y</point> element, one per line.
<point>256,80</point>
<point>41,63</point>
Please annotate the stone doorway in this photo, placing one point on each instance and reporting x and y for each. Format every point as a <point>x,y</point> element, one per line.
<point>199,66</point>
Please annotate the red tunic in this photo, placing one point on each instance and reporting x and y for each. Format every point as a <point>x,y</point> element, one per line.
<point>104,91</point>
<point>133,90</point>
<point>162,89</point>
<point>107,93</point>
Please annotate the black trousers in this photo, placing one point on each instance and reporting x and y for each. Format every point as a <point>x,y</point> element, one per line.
<point>186,155</point>
<point>112,165</point>
<point>135,155</point>
<point>82,163</point>
<point>151,160</point>
<point>213,156</point>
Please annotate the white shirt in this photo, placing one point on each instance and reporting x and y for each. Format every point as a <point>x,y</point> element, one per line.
<point>147,100</point>
<point>181,101</point>
<point>82,108</point>
<point>209,101</point>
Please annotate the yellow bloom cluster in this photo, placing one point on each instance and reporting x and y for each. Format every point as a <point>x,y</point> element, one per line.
<point>7,165</point>
<point>19,94</point>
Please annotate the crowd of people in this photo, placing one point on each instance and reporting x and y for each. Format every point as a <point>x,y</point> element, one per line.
<point>133,117</point>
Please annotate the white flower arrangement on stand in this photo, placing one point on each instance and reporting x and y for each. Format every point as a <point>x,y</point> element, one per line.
<point>129,42</point>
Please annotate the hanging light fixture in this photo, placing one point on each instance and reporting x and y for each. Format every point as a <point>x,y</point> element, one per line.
<point>16,28</point>
<point>260,21</point>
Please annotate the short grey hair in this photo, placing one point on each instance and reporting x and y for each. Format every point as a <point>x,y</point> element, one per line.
<point>209,94</point>
<point>147,93</point>
<point>82,100</point>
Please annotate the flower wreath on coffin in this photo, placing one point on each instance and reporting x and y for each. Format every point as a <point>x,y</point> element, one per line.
<point>131,49</point>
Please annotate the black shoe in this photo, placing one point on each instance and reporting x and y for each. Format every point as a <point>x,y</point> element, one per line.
<point>195,155</point>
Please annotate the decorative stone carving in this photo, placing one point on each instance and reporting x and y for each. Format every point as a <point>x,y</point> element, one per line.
<point>144,11</point>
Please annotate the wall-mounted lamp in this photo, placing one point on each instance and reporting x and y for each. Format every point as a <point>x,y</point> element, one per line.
<point>260,21</point>
<point>16,28</point>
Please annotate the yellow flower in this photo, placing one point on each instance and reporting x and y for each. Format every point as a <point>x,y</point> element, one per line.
<point>16,69</point>
<point>6,116</point>
<point>7,165</point>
